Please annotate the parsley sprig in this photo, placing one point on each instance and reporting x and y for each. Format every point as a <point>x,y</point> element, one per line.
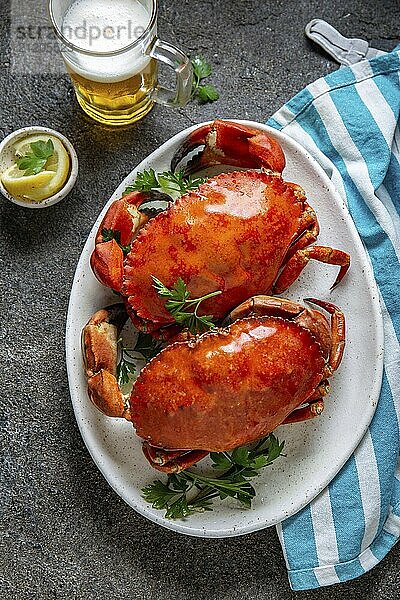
<point>145,345</point>
<point>236,468</point>
<point>172,184</point>
<point>34,162</point>
<point>201,70</point>
<point>182,307</point>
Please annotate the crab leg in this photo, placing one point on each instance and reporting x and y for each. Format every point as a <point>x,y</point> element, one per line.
<point>320,391</point>
<point>308,237</point>
<point>314,407</point>
<point>299,260</point>
<point>100,355</point>
<point>266,306</point>
<point>306,412</point>
<point>172,461</point>
<point>338,334</point>
<point>307,233</point>
<point>230,143</point>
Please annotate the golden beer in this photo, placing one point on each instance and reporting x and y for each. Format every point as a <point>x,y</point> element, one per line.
<point>119,102</point>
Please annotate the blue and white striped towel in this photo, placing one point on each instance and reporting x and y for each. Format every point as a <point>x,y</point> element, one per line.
<point>349,121</point>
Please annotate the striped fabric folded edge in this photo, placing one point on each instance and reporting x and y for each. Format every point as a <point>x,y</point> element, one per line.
<point>355,521</point>
<point>312,578</point>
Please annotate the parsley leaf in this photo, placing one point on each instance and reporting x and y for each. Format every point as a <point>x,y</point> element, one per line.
<point>182,308</point>
<point>201,67</point>
<point>237,468</point>
<point>34,162</point>
<point>201,70</point>
<point>207,93</point>
<point>144,182</point>
<point>172,184</point>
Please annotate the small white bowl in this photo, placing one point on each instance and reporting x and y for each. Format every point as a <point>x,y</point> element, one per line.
<point>7,158</point>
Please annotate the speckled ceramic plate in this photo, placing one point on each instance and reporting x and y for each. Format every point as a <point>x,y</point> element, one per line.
<point>316,450</point>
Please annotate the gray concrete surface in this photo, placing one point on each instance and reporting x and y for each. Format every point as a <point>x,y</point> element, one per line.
<point>66,534</point>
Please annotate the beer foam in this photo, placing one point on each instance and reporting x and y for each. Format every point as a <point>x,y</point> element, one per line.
<point>104,26</point>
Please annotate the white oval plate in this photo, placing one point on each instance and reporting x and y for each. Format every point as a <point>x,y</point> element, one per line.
<point>316,450</point>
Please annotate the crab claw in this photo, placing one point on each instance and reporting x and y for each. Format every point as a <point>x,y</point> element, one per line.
<point>230,143</point>
<point>107,262</point>
<point>117,230</point>
<point>100,355</point>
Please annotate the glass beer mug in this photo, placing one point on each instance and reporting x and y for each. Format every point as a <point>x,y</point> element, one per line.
<point>111,51</point>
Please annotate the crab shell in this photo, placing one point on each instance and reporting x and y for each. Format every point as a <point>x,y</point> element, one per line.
<point>232,386</point>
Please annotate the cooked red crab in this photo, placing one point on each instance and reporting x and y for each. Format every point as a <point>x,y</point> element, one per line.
<point>243,233</point>
<point>225,388</point>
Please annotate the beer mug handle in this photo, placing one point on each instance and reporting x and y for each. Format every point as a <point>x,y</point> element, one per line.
<point>173,57</point>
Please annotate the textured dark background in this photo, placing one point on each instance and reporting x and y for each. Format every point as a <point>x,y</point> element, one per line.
<point>66,533</point>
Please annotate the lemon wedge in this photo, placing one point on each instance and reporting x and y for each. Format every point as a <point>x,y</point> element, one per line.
<point>30,186</point>
<point>44,184</point>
